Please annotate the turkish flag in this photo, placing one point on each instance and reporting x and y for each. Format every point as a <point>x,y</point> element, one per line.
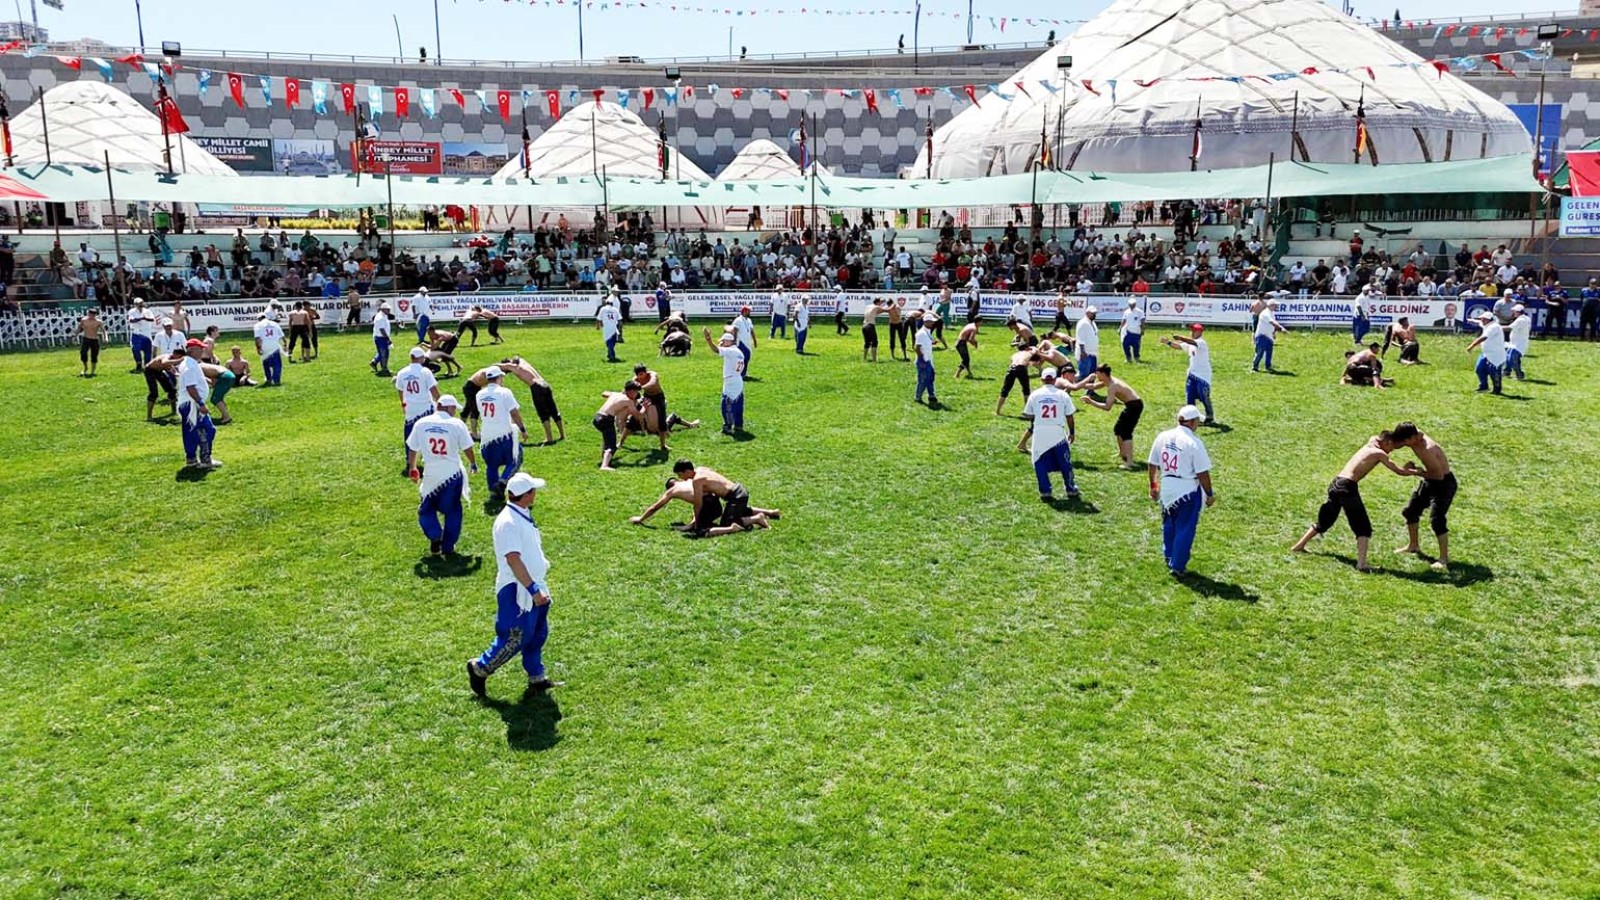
<point>72,62</point>
<point>783,94</point>
<point>649,97</point>
<point>291,92</point>
<point>173,121</point>
<point>1585,173</point>
<point>552,103</point>
<point>402,102</point>
<point>598,93</point>
<point>738,93</point>
<point>872,99</point>
<point>456,95</point>
<point>236,87</point>
<point>503,98</point>
<point>972,95</point>
<point>923,91</point>
<point>348,92</point>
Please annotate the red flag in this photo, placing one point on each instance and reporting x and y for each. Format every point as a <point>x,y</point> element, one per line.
<point>132,60</point>
<point>972,95</point>
<point>1499,33</point>
<point>236,88</point>
<point>738,93</point>
<point>1089,86</point>
<point>1441,67</point>
<point>649,97</point>
<point>1474,30</point>
<point>688,92</point>
<point>402,102</point>
<point>1370,73</point>
<point>1449,30</point>
<point>348,92</point>
<point>923,91</point>
<point>72,62</point>
<point>1023,88</point>
<point>168,108</point>
<point>872,99</point>
<point>597,93</point>
<point>782,93</point>
<point>1144,84</point>
<point>1309,70</point>
<point>1494,59</point>
<point>458,97</point>
<point>503,99</point>
<point>291,92</point>
<point>552,102</point>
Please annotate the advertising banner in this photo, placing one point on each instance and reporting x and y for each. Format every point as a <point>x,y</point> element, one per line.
<point>1580,217</point>
<point>305,156</point>
<point>474,159</point>
<point>240,154</point>
<point>400,157</point>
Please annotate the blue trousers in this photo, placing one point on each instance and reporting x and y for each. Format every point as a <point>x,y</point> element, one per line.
<point>733,412</point>
<point>1178,527</point>
<point>611,349</point>
<point>422,328</point>
<point>1488,371</point>
<point>800,339</point>
<point>1056,459</point>
<point>501,457</point>
<point>382,356</point>
<point>745,349</point>
<point>410,424</point>
<point>516,632</point>
<point>1131,344</point>
<point>1086,365</point>
<point>1263,352</point>
<point>272,368</point>
<point>1197,391</point>
<point>780,325</point>
<point>198,432</point>
<point>444,503</point>
<point>1359,326</point>
<point>143,350</point>
<point>1513,362</point>
<point>925,380</point>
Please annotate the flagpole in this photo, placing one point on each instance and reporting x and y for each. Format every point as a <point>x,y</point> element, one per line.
<point>916,39</point>
<point>388,182</point>
<point>579,5</point>
<point>44,125</point>
<point>1194,155</point>
<point>116,232</point>
<point>813,174</point>
<point>1361,121</point>
<point>928,129</point>
<point>1294,127</point>
<point>527,159</point>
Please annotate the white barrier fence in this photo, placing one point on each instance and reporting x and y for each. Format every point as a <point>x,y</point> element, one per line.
<point>48,328</point>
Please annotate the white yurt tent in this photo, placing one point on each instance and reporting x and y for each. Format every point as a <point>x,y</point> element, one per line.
<point>88,119</point>
<point>760,160</point>
<point>603,138</point>
<point>1145,70</point>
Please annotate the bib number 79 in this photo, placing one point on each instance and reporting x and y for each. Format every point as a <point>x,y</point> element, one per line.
<point>488,409</point>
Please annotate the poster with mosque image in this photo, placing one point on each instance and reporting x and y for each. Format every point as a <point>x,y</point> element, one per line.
<point>305,156</point>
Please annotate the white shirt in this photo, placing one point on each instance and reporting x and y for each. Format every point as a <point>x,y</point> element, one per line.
<point>191,375</point>
<point>610,320</point>
<point>1049,406</point>
<point>924,343</point>
<point>1199,359</point>
<point>1494,343</point>
<point>271,337</point>
<point>439,440</point>
<point>415,384</point>
<point>421,306</point>
<point>802,316</point>
<point>780,304</point>
<point>1266,325</point>
<point>1181,459</point>
<point>380,325</point>
<point>1521,328</point>
<point>496,403</point>
<point>141,322</point>
<point>1133,321</point>
<point>1088,335</point>
<point>166,343</point>
<point>515,532</point>
<point>1019,311</point>
<point>732,371</point>
<point>745,330</point>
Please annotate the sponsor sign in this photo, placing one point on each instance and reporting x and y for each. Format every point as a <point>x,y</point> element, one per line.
<point>305,156</point>
<point>241,154</point>
<point>400,157</point>
<point>1580,216</point>
<point>475,159</point>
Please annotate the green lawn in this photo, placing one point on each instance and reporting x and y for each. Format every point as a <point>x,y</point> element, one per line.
<point>922,682</point>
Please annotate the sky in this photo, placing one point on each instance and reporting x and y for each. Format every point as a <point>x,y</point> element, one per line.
<point>518,30</point>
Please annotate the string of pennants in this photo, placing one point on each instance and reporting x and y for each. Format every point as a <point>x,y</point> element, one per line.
<point>1498,32</point>
<point>996,22</point>
<point>400,100</point>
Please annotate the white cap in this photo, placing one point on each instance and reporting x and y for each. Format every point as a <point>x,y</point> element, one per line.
<point>493,372</point>
<point>422,290</point>
<point>418,353</point>
<point>139,302</point>
<point>1048,375</point>
<point>1272,301</point>
<point>259,315</point>
<point>448,400</point>
<point>1190,413</point>
<point>1518,308</point>
<point>727,337</point>
<point>521,483</point>
<point>1132,303</point>
<point>1090,309</point>
<point>166,320</point>
<point>383,305</point>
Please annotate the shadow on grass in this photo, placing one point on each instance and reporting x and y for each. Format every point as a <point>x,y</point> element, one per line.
<point>530,722</point>
<point>1217,427</point>
<point>191,474</point>
<point>436,568</point>
<point>743,437</point>
<point>1460,574</point>
<point>1282,373</point>
<point>1537,381</point>
<point>1220,590</point>
<point>1520,398</point>
<point>1074,505</point>
<point>652,457</point>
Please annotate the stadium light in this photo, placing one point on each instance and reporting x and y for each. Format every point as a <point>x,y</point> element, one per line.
<point>171,49</point>
<point>673,75</point>
<point>1064,63</point>
<point>1549,31</point>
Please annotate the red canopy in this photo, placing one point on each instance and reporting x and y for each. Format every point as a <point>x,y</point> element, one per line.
<point>11,189</point>
<point>1583,168</point>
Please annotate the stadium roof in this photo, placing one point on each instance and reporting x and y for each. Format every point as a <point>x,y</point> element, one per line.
<point>88,119</point>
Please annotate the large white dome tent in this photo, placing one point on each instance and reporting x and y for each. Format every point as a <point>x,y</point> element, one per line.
<point>88,119</point>
<point>596,138</point>
<point>760,160</point>
<point>1154,66</point>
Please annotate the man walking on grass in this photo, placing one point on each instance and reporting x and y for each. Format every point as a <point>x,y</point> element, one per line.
<point>732,381</point>
<point>1053,425</point>
<point>924,348</point>
<point>437,442</point>
<point>198,430</point>
<point>382,339</point>
<point>1344,494</point>
<point>1197,385</point>
<point>1180,480</point>
<point>418,390</point>
<point>498,411</point>
<point>522,595</point>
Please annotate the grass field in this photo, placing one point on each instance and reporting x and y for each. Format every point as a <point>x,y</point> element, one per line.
<point>922,682</point>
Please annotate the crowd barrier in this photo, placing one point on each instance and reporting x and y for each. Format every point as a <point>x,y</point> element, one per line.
<point>49,328</point>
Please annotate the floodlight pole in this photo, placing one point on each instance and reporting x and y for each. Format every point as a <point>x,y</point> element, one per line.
<point>116,232</point>
<point>1538,136</point>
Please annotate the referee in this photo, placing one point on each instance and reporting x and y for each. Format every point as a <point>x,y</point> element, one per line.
<point>522,618</point>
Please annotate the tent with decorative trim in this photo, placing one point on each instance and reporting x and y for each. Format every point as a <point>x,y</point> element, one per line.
<point>88,120</point>
<point>1259,76</point>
